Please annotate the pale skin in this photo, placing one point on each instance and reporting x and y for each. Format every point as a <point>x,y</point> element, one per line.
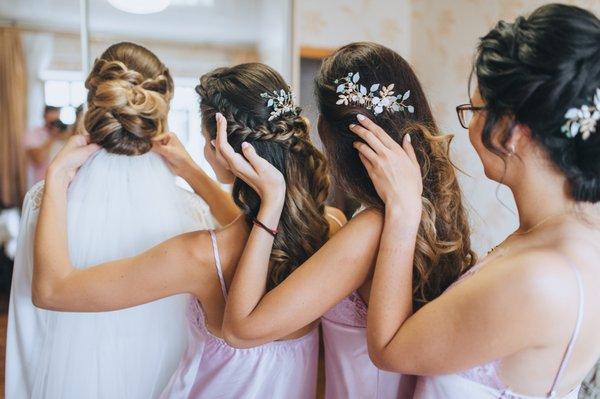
<point>119,284</point>
<point>40,154</point>
<point>521,306</point>
<point>344,264</point>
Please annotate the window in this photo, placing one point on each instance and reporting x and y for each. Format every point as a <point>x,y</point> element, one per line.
<point>67,90</point>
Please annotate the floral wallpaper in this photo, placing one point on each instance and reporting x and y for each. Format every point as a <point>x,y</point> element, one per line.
<point>438,37</point>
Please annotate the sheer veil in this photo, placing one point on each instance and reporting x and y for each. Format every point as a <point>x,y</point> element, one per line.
<point>118,206</point>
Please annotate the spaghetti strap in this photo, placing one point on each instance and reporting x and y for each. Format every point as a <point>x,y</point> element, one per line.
<point>569,350</point>
<point>213,238</point>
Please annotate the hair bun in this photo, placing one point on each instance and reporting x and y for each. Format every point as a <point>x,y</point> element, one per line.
<point>536,69</point>
<point>126,107</point>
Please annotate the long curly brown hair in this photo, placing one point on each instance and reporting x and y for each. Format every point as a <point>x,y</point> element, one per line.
<point>284,141</point>
<point>443,250</point>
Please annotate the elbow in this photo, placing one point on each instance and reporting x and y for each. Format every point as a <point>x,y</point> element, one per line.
<point>45,294</point>
<point>383,360</point>
<point>42,297</point>
<point>236,340</point>
<point>379,360</point>
<point>238,336</point>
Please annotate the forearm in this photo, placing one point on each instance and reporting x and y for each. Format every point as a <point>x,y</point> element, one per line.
<point>391,291</point>
<point>243,316</point>
<point>51,255</point>
<point>219,201</point>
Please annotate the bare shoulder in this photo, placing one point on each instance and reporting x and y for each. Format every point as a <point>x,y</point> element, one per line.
<point>365,227</point>
<point>195,245</point>
<point>370,218</point>
<point>336,219</point>
<point>539,281</point>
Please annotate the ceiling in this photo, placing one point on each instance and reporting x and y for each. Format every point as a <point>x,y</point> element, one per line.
<point>190,21</point>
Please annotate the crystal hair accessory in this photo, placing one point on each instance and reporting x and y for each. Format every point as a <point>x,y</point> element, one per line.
<point>282,102</point>
<point>583,120</point>
<point>377,98</point>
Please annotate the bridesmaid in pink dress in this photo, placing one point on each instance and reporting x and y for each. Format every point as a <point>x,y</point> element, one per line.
<point>211,368</point>
<point>333,284</point>
<point>202,263</point>
<point>523,323</point>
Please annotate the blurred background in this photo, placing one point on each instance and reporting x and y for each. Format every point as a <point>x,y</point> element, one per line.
<point>47,46</point>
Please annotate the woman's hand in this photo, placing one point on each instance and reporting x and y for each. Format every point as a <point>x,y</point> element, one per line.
<point>172,150</point>
<point>75,152</point>
<point>394,169</point>
<point>264,178</point>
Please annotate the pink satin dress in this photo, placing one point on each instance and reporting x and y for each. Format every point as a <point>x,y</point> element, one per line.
<point>210,368</point>
<point>483,381</point>
<point>349,372</point>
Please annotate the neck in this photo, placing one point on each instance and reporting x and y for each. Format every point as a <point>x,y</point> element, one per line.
<point>540,196</point>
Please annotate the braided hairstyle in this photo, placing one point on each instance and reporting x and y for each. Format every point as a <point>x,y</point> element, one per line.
<point>536,68</point>
<point>284,141</point>
<point>129,91</point>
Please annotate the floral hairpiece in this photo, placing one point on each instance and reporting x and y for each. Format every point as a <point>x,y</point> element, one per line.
<point>374,98</point>
<point>583,120</point>
<point>282,102</point>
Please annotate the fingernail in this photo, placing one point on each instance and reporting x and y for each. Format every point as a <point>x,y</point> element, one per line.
<point>352,125</point>
<point>245,145</point>
<point>360,117</point>
<point>213,143</point>
<point>408,138</point>
<point>219,115</point>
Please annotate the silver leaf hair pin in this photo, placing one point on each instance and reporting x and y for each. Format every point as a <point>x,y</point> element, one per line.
<point>282,102</point>
<point>583,120</point>
<point>378,98</point>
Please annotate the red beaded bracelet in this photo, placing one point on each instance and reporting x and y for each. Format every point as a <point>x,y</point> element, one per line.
<point>268,230</point>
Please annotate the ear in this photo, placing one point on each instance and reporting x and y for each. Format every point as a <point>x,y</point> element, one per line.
<point>519,138</point>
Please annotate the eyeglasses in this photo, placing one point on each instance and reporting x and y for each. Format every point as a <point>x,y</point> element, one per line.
<point>465,114</point>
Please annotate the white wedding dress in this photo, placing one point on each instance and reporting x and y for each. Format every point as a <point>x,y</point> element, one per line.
<point>118,206</point>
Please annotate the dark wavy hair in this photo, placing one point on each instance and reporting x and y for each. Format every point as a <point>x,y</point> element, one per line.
<point>534,69</point>
<point>443,249</point>
<point>284,141</point>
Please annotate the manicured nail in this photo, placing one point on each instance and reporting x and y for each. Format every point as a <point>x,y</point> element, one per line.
<point>408,137</point>
<point>213,143</point>
<point>219,116</point>
<point>245,145</point>
<point>352,125</point>
<point>361,117</point>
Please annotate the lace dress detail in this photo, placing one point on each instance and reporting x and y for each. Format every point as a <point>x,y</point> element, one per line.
<point>351,311</point>
<point>35,195</point>
<point>486,374</point>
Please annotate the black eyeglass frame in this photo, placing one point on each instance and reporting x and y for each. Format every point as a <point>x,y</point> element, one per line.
<point>463,108</point>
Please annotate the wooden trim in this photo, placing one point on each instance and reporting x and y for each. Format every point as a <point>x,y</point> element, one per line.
<point>316,53</point>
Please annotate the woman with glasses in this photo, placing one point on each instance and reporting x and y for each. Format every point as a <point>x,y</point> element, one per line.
<point>525,318</point>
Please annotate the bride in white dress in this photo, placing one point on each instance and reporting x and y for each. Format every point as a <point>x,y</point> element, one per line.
<point>124,200</point>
